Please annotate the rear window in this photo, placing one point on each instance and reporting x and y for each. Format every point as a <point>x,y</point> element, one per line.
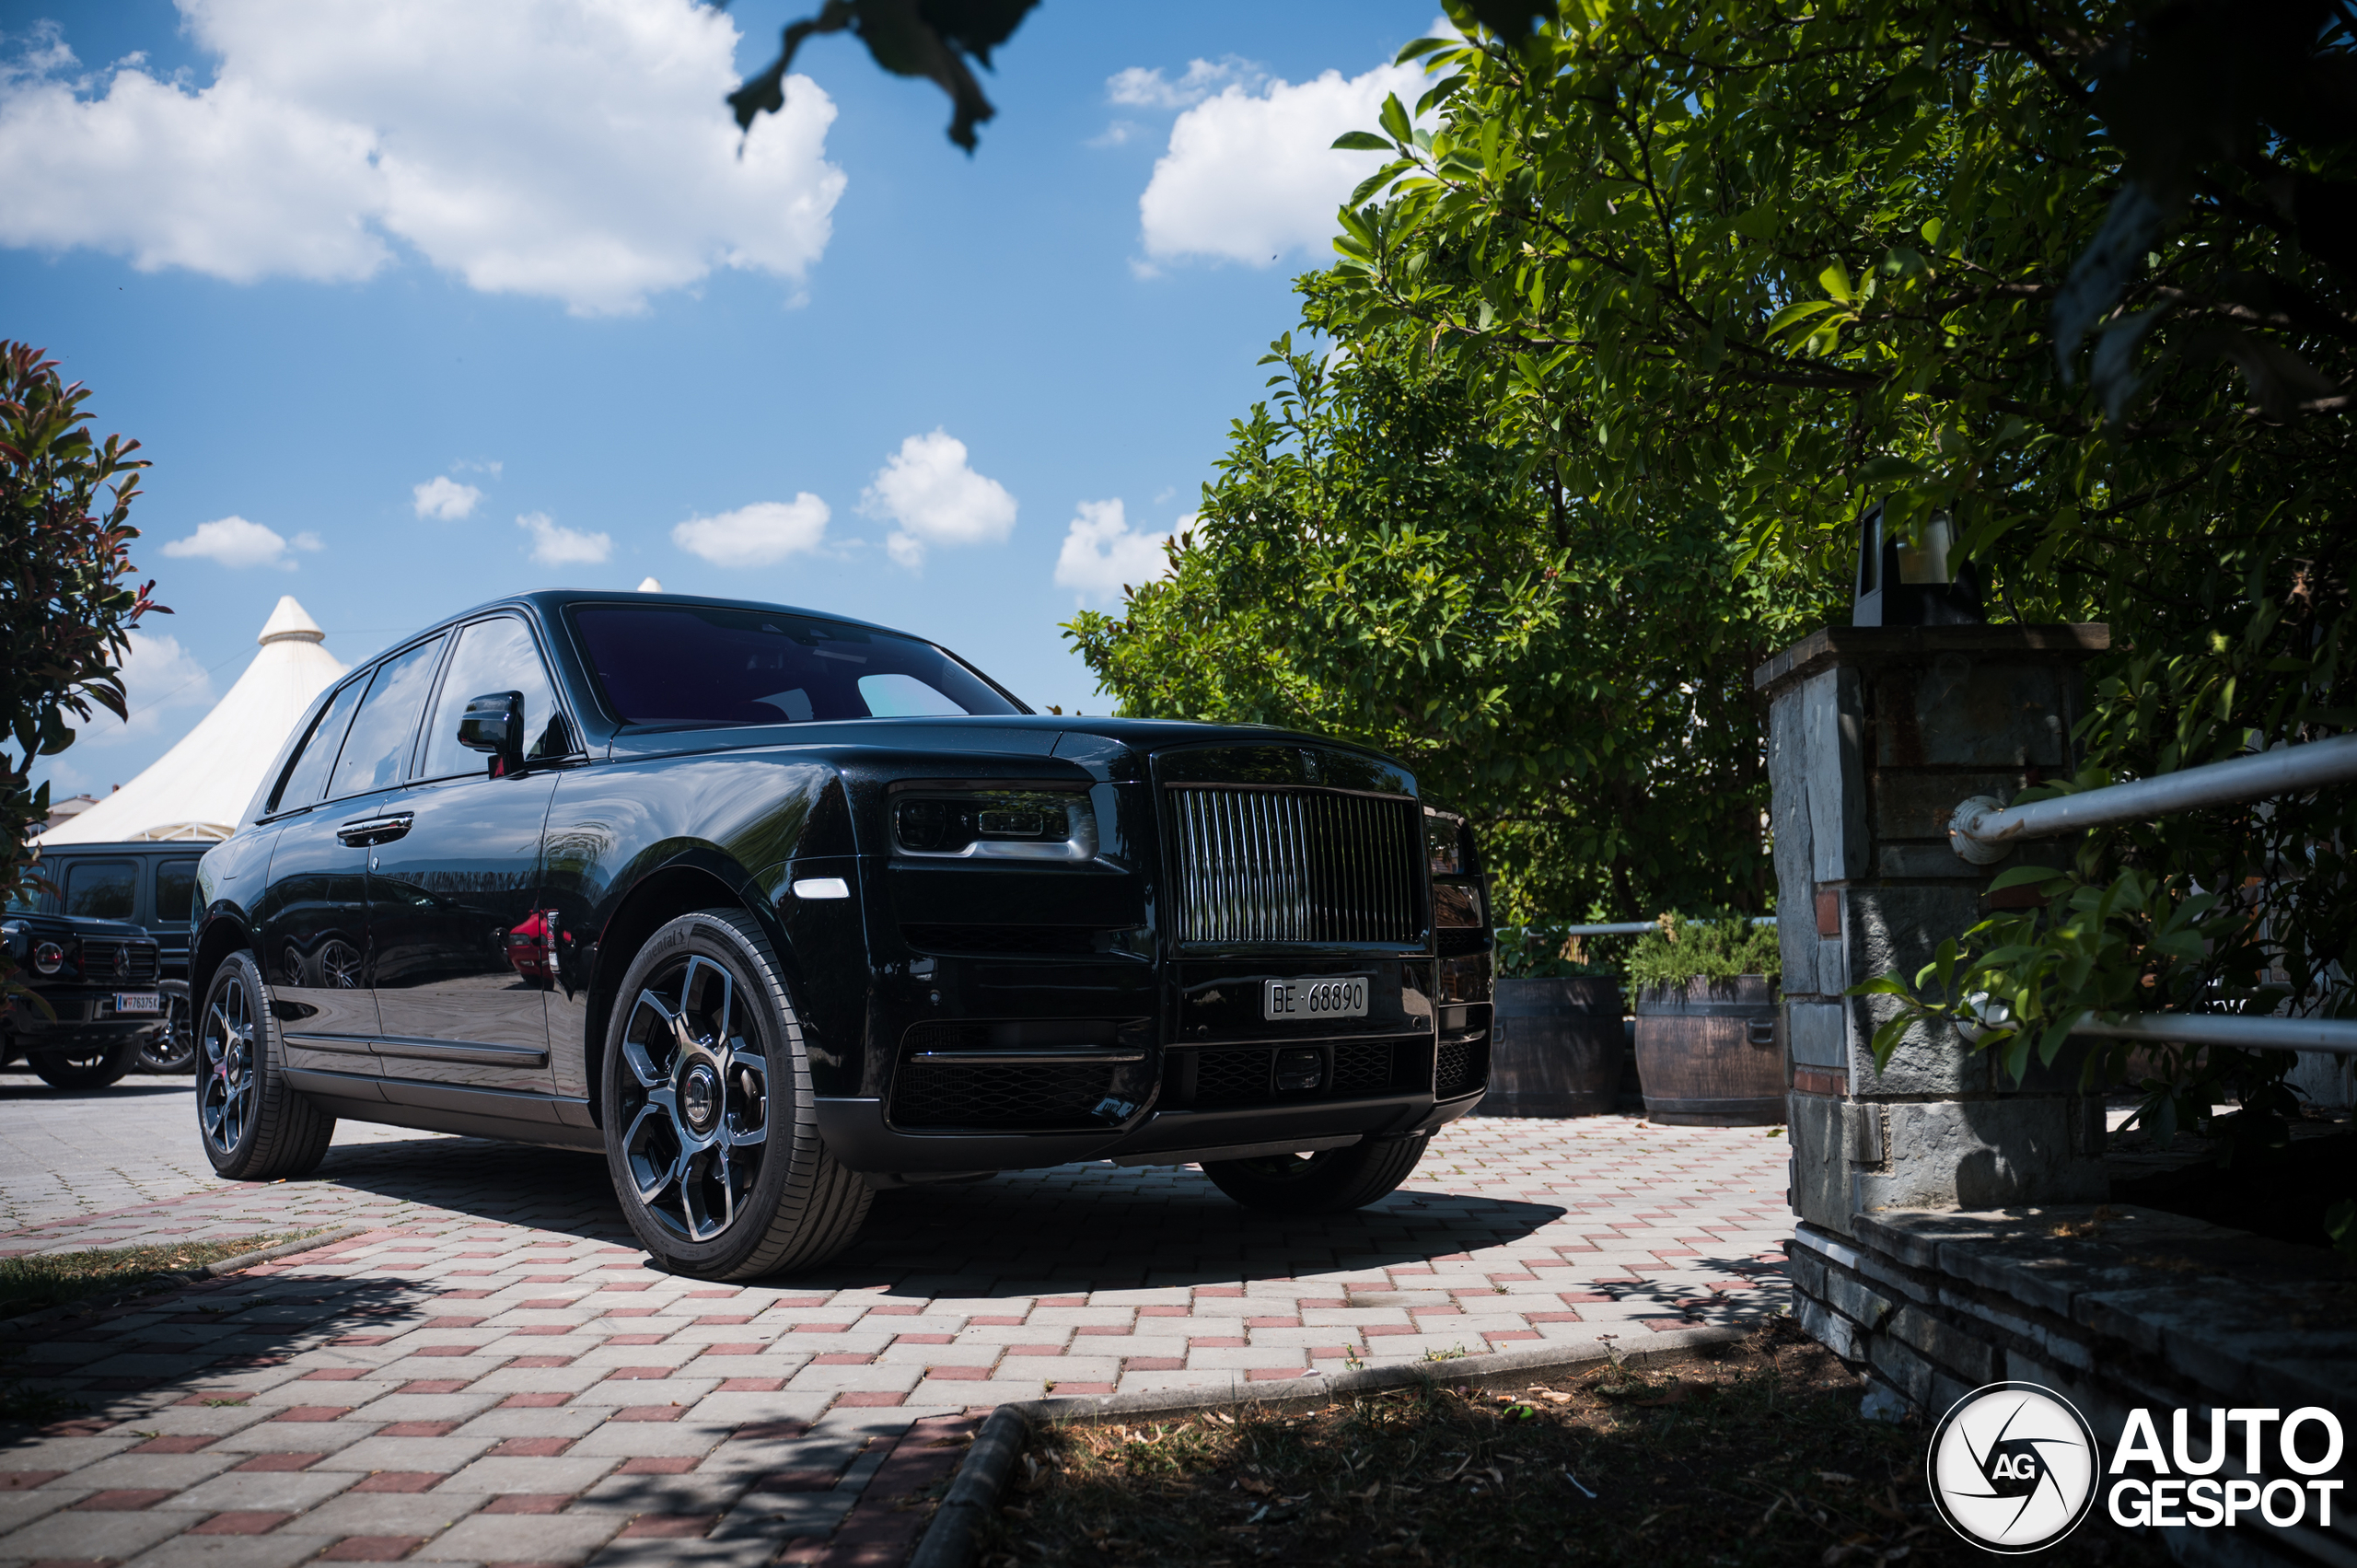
<point>682,664</point>
<point>102,889</point>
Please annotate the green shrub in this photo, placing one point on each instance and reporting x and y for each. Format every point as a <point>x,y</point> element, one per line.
<point>1680,950</point>
<point>1546,952</point>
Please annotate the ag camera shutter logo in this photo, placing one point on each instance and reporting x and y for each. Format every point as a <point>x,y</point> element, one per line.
<point>2014,1467</point>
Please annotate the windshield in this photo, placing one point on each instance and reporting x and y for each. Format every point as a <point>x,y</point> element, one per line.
<point>689,664</point>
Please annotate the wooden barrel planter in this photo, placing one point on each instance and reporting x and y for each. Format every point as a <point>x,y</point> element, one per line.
<point>1556,1047</point>
<point>1708,1055</point>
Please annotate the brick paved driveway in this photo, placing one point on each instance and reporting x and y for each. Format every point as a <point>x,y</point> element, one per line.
<point>492,1375</point>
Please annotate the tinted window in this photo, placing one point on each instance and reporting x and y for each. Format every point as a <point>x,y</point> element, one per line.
<point>307,775</point>
<point>493,656</point>
<point>175,890</point>
<point>678,663</point>
<point>386,723</point>
<point>102,889</point>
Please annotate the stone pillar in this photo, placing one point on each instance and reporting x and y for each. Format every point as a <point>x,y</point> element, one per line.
<point>1875,734</point>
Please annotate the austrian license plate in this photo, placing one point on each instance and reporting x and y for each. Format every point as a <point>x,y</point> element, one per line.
<point>138,1002</point>
<point>1312,999</point>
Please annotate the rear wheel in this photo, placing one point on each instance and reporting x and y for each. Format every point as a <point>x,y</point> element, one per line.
<point>256,1128</point>
<point>87,1067</point>
<point>711,1132</point>
<point>1327,1182</point>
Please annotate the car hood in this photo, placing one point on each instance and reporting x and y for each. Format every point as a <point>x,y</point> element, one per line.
<point>77,926</point>
<point>1024,735</point>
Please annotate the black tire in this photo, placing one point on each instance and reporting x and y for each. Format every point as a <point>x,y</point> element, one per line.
<point>87,1067</point>
<point>704,1048</point>
<point>1330,1181</point>
<point>171,1048</point>
<point>254,1127</point>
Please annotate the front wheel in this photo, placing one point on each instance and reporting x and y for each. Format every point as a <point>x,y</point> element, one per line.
<point>172,1048</point>
<point>1330,1181</point>
<point>255,1127</point>
<point>711,1132</point>
<point>87,1067</point>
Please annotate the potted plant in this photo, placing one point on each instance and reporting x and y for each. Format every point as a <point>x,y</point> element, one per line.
<point>1556,1045</point>
<point>1707,1047</point>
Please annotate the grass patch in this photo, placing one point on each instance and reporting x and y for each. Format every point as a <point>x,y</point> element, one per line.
<point>35,1284</point>
<point>1756,1456</point>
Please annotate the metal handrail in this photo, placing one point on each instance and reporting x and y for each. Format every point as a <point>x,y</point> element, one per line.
<point>1984,831</point>
<point>2338,1036</point>
<point>1636,927</point>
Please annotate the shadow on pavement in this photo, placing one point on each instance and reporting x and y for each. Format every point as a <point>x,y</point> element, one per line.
<point>85,1373</point>
<point>1065,1231</point>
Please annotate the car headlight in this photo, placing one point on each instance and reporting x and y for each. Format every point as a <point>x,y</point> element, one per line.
<point>995,824</point>
<point>1448,843</point>
<point>49,957</point>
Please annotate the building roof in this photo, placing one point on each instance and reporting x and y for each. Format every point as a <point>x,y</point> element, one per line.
<point>199,788</point>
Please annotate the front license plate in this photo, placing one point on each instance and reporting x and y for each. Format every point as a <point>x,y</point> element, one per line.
<point>137,1002</point>
<point>1299,999</point>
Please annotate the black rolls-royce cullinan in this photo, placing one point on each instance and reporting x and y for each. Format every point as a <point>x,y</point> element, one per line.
<point>778,909</point>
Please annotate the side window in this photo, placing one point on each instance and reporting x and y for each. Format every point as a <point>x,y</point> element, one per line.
<point>494,656</point>
<point>175,890</point>
<point>102,889</point>
<point>386,724</point>
<point>307,775</point>
<point>895,695</point>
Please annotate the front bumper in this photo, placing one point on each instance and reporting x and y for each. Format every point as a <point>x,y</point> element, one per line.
<point>84,1017</point>
<point>858,1136</point>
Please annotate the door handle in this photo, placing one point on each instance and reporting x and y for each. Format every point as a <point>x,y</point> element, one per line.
<point>383,830</point>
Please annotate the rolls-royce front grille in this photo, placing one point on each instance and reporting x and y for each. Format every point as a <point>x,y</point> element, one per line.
<point>1296,865</point>
<point>118,963</point>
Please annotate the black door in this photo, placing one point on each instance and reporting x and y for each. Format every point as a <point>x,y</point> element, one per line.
<point>311,921</point>
<point>462,967</point>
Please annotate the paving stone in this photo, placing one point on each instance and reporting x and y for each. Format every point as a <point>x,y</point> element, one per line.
<point>522,1538</point>
<point>276,1550</point>
<point>292,1491</point>
<point>359,1513</point>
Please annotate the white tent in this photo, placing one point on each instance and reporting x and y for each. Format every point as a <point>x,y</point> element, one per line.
<point>199,788</point>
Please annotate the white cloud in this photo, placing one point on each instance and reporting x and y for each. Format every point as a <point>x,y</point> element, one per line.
<point>1102,554</point>
<point>1250,175</point>
<point>158,677</point>
<point>937,498</point>
<point>555,545</point>
<point>576,150</point>
<point>1140,88</point>
<point>759,535</point>
<point>233,542</point>
<point>445,498</point>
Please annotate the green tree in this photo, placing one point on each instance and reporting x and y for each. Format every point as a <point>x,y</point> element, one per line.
<point>1372,562</point>
<point>68,606</point>
<point>1762,266</point>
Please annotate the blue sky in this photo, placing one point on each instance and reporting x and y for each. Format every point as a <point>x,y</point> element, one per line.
<point>317,257</point>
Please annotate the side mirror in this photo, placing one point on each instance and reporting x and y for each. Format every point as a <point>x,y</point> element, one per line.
<point>494,723</point>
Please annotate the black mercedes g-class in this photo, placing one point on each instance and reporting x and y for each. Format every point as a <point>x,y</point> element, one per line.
<point>152,884</point>
<point>777,908</point>
<point>92,1004</point>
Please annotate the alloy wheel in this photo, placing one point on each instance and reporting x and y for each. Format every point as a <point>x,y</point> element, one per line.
<point>225,1077</point>
<point>696,1100</point>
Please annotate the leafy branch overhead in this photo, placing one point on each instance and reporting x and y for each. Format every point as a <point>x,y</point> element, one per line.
<point>932,38</point>
<point>908,37</point>
<point>66,611</point>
